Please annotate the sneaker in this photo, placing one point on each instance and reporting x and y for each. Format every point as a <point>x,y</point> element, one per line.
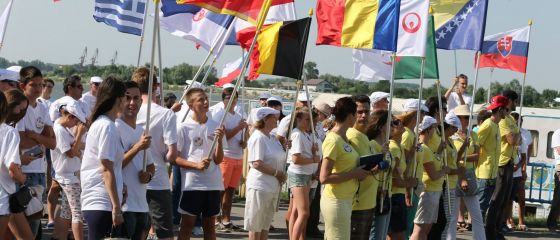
<point>197,232</point>
<point>152,236</point>
<point>50,226</point>
<point>221,228</point>
<point>233,227</point>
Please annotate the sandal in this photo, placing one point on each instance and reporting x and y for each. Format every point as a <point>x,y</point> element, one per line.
<point>523,228</point>
<point>461,226</point>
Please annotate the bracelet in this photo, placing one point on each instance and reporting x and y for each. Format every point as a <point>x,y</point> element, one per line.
<point>275,172</point>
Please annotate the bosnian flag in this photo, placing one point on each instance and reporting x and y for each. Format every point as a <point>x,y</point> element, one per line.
<point>507,50</point>
<point>196,24</point>
<point>230,72</point>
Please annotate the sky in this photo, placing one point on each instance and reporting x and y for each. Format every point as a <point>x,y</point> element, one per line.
<point>58,32</point>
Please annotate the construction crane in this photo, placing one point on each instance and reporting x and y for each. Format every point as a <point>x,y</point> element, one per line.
<point>83,57</point>
<point>94,58</point>
<point>114,59</point>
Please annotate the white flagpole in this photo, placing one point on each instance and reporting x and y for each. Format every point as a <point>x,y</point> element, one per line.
<point>9,9</point>
<point>455,57</point>
<point>523,85</point>
<point>490,85</point>
<point>160,68</point>
<point>206,74</point>
<point>472,102</point>
<point>418,113</point>
<point>389,120</point>
<point>142,35</point>
<point>445,140</point>
<point>151,79</point>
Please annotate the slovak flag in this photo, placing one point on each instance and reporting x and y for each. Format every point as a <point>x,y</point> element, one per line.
<point>507,50</point>
<point>230,72</point>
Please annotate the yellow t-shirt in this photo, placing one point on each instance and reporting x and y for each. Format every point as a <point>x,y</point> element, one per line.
<point>367,193</point>
<point>429,184</point>
<point>452,164</point>
<point>398,153</point>
<point>424,154</point>
<point>458,142</point>
<point>408,139</point>
<point>345,160</point>
<point>435,140</point>
<point>508,152</point>
<point>488,137</point>
<point>376,146</point>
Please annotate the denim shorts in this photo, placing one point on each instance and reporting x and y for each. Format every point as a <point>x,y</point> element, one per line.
<point>298,180</point>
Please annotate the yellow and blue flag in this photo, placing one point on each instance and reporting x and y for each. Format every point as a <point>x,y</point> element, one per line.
<point>460,24</point>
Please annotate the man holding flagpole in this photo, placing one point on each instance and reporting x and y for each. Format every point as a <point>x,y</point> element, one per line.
<point>456,95</point>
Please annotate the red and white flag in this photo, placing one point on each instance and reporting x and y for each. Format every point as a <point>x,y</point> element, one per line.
<point>230,72</point>
<point>413,28</point>
<point>507,50</point>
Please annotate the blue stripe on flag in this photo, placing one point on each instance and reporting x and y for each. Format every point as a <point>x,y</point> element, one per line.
<point>129,21</point>
<point>121,28</point>
<point>126,5</point>
<point>140,8</point>
<point>386,28</point>
<point>123,17</point>
<point>466,29</point>
<point>517,48</point>
<point>170,8</point>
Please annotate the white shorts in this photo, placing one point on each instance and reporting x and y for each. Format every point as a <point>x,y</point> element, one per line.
<point>259,210</point>
<point>428,207</point>
<point>4,202</point>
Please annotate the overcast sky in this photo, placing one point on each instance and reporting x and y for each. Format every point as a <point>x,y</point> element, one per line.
<point>58,33</point>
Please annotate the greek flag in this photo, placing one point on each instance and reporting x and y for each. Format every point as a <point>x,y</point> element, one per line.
<point>125,15</point>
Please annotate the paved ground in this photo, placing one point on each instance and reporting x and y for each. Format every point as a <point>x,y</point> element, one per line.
<point>281,233</point>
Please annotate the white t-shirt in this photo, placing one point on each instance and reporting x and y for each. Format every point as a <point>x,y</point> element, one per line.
<point>47,102</point>
<point>54,109</point>
<point>301,143</point>
<point>268,150</point>
<point>193,142</point>
<point>36,118</point>
<point>453,100</point>
<point>103,142</point>
<point>233,148</point>
<point>526,140</point>
<point>282,129</point>
<point>65,168</point>
<point>555,142</point>
<point>163,130</point>
<point>88,100</point>
<point>220,106</point>
<point>136,201</point>
<point>8,154</point>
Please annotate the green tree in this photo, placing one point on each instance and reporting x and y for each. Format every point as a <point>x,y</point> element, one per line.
<point>311,70</point>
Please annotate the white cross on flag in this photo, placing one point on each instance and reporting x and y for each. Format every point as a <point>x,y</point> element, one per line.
<point>413,28</point>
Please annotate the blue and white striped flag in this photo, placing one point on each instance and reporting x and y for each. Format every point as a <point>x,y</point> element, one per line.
<point>126,16</point>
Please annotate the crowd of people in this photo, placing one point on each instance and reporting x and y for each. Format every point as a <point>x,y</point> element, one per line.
<point>126,175</point>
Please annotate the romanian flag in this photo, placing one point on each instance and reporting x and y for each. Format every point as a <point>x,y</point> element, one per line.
<point>371,24</point>
<point>280,48</point>
<point>247,10</point>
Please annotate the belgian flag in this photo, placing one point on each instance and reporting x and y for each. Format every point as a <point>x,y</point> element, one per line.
<point>280,48</point>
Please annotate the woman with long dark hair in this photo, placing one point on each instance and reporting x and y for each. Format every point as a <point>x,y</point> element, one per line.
<point>101,170</point>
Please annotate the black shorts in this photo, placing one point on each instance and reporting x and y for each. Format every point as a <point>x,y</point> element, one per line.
<point>398,214</point>
<point>205,203</point>
<point>518,185</point>
<point>161,212</point>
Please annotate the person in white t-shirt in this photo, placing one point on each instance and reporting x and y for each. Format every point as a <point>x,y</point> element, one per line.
<point>456,95</point>
<point>89,98</point>
<point>136,210</point>
<point>10,164</point>
<point>232,165</point>
<point>101,170</point>
<point>266,159</point>
<point>283,128</point>
<point>36,132</point>
<point>201,176</point>
<point>163,130</point>
<point>8,79</point>
<point>66,165</point>
<point>48,86</point>
<point>304,159</point>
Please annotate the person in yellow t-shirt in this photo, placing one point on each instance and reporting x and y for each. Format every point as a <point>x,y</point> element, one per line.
<point>363,206</point>
<point>340,172</point>
<point>432,178</point>
<point>509,141</point>
<point>469,197</point>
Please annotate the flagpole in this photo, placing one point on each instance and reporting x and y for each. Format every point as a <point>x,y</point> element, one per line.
<point>151,79</point>
<point>444,138</point>
<point>471,110</point>
<point>160,72</point>
<point>6,24</point>
<point>221,40</point>
<point>206,74</point>
<point>142,35</point>
<point>524,77</point>
<point>490,85</point>
<point>262,16</point>
<point>455,56</point>
<point>389,120</point>
<point>417,132</point>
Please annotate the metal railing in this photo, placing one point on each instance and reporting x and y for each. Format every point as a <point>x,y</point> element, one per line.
<point>540,187</point>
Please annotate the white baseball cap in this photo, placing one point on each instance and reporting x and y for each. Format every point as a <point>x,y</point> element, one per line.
<point>302,97</point>
<point>411,105</point>
<point>195,84</point>
<point>274,98</point>
<point>14,68</point>
<point>10,75</point>
<point>265,111</point>
<point>453,120</point>
<point>377,96</point>
<point>264,95</point>
<point>76,110</point>
<point>228,85</point>
<point>426,123</point>
<point>96,79</point>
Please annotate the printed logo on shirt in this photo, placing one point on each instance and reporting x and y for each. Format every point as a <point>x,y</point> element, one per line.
<point>39,124</point>
<point>198,141</point>
<point>347,148</point>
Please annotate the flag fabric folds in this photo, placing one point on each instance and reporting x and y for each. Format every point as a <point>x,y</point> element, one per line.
<point>4,20</point>
<point>413,27</point>
<point>460,24</point>
<point>275,14</point>
<point>230,72</point>
<point>375,65</point>
<point>507,50</point>
<point>280,48</point>
<point>247,10</point>
<point>369,24</point>
<point>196,24</point>
<point>126,16</point>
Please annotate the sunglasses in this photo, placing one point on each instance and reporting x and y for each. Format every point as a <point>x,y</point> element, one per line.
<point>96,84</point>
